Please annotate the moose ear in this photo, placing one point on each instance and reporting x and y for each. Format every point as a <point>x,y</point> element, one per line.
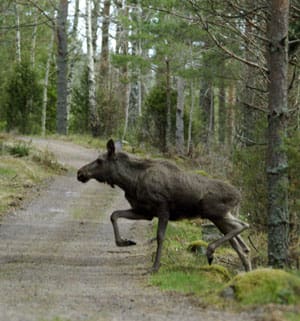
<point>110,148</point>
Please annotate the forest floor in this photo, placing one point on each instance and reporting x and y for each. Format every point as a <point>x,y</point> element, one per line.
<point>58,259</point>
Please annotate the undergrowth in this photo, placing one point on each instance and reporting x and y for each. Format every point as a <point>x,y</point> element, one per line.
<point>21,168</point>
<point>184,269</point>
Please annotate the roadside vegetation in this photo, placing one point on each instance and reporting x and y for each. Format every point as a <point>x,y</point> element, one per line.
<point>223,284</point>
<point>22,168</point>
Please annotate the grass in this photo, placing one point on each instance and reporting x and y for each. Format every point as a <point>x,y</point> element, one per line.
<point>189,280</point>
<point>21,168</point>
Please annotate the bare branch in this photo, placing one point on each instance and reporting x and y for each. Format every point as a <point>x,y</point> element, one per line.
<point>206,27</point>
<point>43,12</point>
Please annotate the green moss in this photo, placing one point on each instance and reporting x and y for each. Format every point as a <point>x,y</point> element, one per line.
<point>198,247</point>
<point>217,272</point>
<point>265,286</point>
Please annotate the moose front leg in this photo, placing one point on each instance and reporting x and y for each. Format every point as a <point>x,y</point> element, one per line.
<point>128,214</point>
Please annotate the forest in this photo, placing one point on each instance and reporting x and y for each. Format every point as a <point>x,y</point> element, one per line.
<point>214,81</point>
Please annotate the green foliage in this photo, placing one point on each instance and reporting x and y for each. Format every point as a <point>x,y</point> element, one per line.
<point>16,148</point>
<point>23,99</point>
<point>265,286</point>
<point>250,175</point>
<point>79,118</point>
<point>19,149</point>
<point>293,152</point>
<point>154,120</point>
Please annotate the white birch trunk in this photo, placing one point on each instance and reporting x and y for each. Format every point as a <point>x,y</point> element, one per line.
<point>140,53</point>
<point>33,40</point>
<point>73,46</point>
<point>45,86</point>
<point>62,69</point>
<point>189,141</point>
<point>127,100</point>
<point>91,72</point>
<point>95,14</point>
<point>180,116</point>
<point>104,57</point>
<point>18,34</point>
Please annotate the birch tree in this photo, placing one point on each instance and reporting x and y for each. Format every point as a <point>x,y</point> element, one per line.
<point>104,57</point>
<point>62,68</point>
<point>73,46</point>
<point>18,34</point>
<point>180,116</point>
<point>33,38</point>
<point>45,85</point>
<point>122,49</point>
<point>95,15</point>
<point>94,120</point>
<point>191,113</point>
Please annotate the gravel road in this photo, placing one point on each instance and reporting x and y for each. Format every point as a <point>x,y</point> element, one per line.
<point>58,260</point>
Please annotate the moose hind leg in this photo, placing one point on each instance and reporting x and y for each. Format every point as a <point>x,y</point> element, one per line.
<point>230,227</point>
<point>242,243</point>
<point>243,255</point>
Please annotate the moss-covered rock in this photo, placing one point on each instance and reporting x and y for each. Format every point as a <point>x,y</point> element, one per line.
<point>216,272</point>
<point>265,286</point>
<point>198,247</point>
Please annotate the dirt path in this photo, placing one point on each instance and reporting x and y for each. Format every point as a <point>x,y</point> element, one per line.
<point>58,260</point>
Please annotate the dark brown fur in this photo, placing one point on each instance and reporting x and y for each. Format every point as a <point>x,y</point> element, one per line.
<point>160,189</point>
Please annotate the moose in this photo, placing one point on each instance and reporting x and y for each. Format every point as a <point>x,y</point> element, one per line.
<point>158,188</point>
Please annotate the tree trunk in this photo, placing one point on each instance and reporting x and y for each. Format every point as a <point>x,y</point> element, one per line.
<point>62,69</point>
<point>222,113</point>
<point>33,40</point>
<point>168,137</point>
<point>140,54</point>
<point>104,57</point>
<point>180,116</point>
<point>189,141</point>
<point>122,49</point>
<point>95,16</point>
<point>45,85</point>
<point>126,105</point>
<point>207,104</point>
<point>278,215</point>
<point>73,44</point>
<point>94,120</point>
<point>247,131</point>
<point>18,34</point>
<point>230,121</point>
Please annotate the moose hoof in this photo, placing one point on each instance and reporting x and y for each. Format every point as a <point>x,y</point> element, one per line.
<point>125,243</point>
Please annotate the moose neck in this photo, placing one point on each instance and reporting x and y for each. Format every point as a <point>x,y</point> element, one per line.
<point>126,173</point>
